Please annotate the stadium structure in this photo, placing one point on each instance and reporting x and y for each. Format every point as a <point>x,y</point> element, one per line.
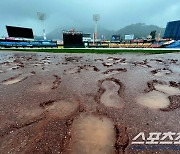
<point>20,37</point>
<point>20,32</point>
<point>173,30</point>
<point>23,37</point>
<point>73,39</point>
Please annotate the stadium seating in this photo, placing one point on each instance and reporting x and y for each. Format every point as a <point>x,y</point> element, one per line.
<point>174,45</point>
<point>14,43</point>
<point>133,45</point>
<point>157,45</point>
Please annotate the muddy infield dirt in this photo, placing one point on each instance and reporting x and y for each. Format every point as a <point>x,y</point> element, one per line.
<point>86,103</point>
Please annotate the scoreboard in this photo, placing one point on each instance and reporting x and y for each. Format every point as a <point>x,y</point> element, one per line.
<point>73,39</point>
<point>20,32</point>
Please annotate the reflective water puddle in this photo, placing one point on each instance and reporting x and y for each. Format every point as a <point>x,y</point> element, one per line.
<point>93,135</point>
<point>167,89</point>
<point>154,99</point>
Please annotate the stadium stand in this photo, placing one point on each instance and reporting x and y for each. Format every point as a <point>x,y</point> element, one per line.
<point>132,45</point>
<point>173,30</point>
<point>157,45</point>
<point>27,44</point>
<point>174,45</point>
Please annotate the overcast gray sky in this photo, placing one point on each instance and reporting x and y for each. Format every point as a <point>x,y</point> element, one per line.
<point>115,14</point>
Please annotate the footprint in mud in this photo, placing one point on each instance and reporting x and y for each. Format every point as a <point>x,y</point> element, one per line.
<point>38,64</point>
<point>41,87</point>
<point>98,59</point>
<point>78,69</point>
<point>47,110</point>
<point>167,89</point>
<point>160,61</point>
<point>161,96</point>
<point>74,70</point>
<point>73,59</point>
<point>172,61</point>
<point>47,86</point>
<point>154,100</point>
<point>56,82</point>
<point>111,61</point>
<point>116,60</point>
<point>13,80</point>
<point>108,64</point>
<point>110,93</point>
<point>46,62</point>
<point>60,108</point>
<point>16,79</point>
<point>115,71</point>
<point>161,72</point>
<point>93,135</point>
<point>14,67</point>
<point>24,115</point>
<point>143,63</point>
<point>173,94</point>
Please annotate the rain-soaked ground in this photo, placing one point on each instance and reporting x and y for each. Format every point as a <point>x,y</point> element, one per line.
<point>87,103</point>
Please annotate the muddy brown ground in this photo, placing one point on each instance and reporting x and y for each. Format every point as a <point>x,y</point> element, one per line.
<point>86,103</point>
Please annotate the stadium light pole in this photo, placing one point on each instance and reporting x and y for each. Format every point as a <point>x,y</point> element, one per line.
<point>159,35</point>
<point>42,17</point>
<point>96,18</point>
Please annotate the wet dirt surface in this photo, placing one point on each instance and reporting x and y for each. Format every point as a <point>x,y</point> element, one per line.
<point>86,103</point>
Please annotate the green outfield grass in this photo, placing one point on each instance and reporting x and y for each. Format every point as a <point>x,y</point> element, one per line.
<point>98,51</point>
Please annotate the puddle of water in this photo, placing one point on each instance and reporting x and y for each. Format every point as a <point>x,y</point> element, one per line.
<point>110,59</point>
<point>93,135</point>
<point>167,89</point>
<point>110,97</point>
<point>154,99</point>
<point>62,108</point>
<point>108,64</point>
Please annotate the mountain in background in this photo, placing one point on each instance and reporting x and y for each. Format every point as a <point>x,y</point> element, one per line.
<point>140,30</point>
